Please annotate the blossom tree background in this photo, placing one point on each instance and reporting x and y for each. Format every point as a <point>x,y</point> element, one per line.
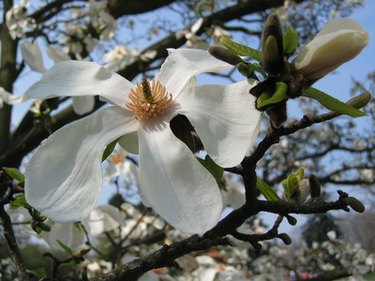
<point>306,164</point>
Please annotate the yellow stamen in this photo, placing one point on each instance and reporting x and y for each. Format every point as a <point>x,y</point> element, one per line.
<point>148,101</point>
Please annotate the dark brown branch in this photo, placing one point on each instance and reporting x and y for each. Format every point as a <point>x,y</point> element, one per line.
<point>14,250</point>
<point>331,275</point>
<point>163,257</point>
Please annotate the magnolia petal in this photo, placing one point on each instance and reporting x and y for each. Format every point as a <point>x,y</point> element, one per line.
<point>83,104</point>
<point>183,64</point>
<point>64,176</point>
<point>32,56</point>
<point>340,24</point>
<point>81,78</point>
<point>174,183</point>
<point>69,234</point>
<point>129,142</point>
<point>57,54</point>
<point>10,99</point>
<point>224,118</point>
<point>103,218</point>
<point>321,55</point>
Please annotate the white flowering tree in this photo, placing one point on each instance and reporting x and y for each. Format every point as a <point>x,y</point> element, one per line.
<point>122,102</point>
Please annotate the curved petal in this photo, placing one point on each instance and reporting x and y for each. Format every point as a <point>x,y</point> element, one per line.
<point>69,234</point>
<point>321,55</point>
<point>224,118</point>
<point>83,104</point>
<point>103,218</point>
<point>81,78</point>
<point>129,142</point>
<point>340,24</point>
<point>64,176</point>
<point>57,54</point>
<point>183,64</point>
<point>32,56</point>
<point>175,184</point>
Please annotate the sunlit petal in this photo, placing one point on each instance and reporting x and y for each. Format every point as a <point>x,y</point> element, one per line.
<point>64,176</point>
<point>175,184</point>
<point>81,78</point>
<point>32,56</point>
<point>69,234</point>
<point>103,218</point>
<point>183,64</point>
<point>224,118</point>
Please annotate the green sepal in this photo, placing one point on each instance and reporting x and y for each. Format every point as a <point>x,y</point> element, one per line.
<point>39,272</point>
<point>64,247</point>
<point>109,149</point>
<point>240,49</point>
<point>19,201</point>
<point>290,184</point>
<point>15,174</point>
<point>246,69</point>
<point>332,103</point>
<point>215,170</point>
<point>290,41</point>
<point>266,190</point>
<point>267,98</point>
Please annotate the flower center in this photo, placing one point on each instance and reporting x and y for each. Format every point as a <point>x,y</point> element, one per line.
<point>148,101</point>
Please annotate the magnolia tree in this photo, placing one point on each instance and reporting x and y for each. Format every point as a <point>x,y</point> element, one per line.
<point>122,103</point>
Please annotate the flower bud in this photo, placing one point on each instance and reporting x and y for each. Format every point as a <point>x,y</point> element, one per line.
<point>272,45</point>
<point>291,220</point>
<point>314,186</point>
<point>224,55</point>
<point>285,238</point>
<point>339,41</point>
<point>360,101</point>
<point>355,204</point>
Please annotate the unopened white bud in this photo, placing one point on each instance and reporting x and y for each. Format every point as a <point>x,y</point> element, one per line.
<point>338,42</point>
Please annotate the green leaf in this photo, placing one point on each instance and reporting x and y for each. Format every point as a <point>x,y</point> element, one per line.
<point>331,103</point>
<point>291,183</point>
<point>240,49</point>
<point>266,190</point>
<point>64,247</point>
<point>247,68</point>
<point>267,98</point>
<point>14,173</point>
<point>39,272</point>
<point>19,201</point>
<point>212,167</point>
<point>290,41</point>
<point>300,174</point>
<point>109,149</point>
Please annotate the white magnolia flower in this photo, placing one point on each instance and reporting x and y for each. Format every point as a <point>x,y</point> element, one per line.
<point>103,218</point>
<point>17,20</point>
<point>218,32</point>
<point>339,41</point>
<point>119,57</point>
<point>234,192</point>
<point>33,58</point>
<point>8,98</point>
<point>118,165</point>
<point>69,234</point>
<point>73,39</point>
<point>101,19</point>
<point>63,178</point>
<point>4,97</point>
<point>193,40</point>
